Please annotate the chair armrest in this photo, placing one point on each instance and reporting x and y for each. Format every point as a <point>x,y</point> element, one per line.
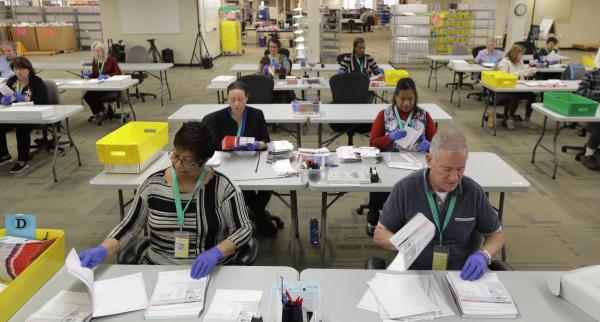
<point>247,254</point>
<point>133,253</point>
<point>375,263</point>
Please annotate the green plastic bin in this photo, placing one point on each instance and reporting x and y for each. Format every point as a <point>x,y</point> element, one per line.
<point>569,104</point>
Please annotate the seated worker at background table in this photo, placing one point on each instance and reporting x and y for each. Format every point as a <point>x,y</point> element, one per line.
<point>200,207</point>
<point>103,66</point>
<point>274,64</point>
<point>456,205</point>
<point>489,55</point>
<point>590,88</point>
<point>27,87</point>
<point>390,126</point>
<point>9,53</point>
<point>244,121</point>
<point>359,61</point>
<point>550,44</point>
<point>513,64</point>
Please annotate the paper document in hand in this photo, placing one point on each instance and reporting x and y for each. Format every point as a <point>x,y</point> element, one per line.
<point>110,296</point>
<point>410,241</point>
<point>64,306</point>
<point>177,295</point>
<point>215,160</point>
<point>6,91</point>
<point>233,305</point>
<point>412,135</point>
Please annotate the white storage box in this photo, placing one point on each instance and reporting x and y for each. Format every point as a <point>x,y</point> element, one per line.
<point>28,112</point>
<point>118,80</point>
<point>581,288</point>
<point>222,80</point>
<point>133,168</point>
<point>457,63</point>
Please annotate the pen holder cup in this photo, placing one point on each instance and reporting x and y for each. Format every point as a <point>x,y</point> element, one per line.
<point>312,167</point>
<point>291,313</point>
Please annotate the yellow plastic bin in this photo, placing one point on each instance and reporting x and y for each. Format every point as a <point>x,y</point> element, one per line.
<point>35,275</point>
<point>588,61</point>
<point>393,76</point>
<point>499,79</point>
<point>133,143</point>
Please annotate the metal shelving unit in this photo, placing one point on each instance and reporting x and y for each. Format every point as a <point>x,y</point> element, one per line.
<point>468,27</point>
<point>331,32</point>
<point>410,33</point>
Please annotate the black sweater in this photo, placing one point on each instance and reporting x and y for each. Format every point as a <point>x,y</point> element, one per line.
<point>36,89</point>
<point>222,124</point>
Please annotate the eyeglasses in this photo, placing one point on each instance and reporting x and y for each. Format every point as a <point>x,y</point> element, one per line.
<point>184,163</point>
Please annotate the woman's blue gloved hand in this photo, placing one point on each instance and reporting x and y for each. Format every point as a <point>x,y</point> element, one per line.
<point>19,97</point>
<point>205,262</point>
<point>102,77</point>
<point>266,69</point>
<point>475,267</point>
<point>92,257</point>
<point>6,100</point>
<point>396,135</point>
<point>424,146</point>
<point>275,63</point>
<point>87,73</point>
<point>252,146</point>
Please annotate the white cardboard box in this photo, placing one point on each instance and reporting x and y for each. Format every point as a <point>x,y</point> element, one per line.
<point>457,63</point>
<point>118,80</point>
<point>222,80</point>
<point>580,287</point>
<point>30,112</point>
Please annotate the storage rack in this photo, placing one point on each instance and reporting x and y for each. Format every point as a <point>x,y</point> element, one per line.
<point>468,27</point>
<point>331,29</point>
<point>410,33</point>
<point>300,26</point>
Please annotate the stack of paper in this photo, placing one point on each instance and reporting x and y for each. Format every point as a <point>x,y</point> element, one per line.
<point>406,297</point>
<point>407,161</point>
<point>347,154</point>
<point>117,80</point>
<point>110,296</point>
<point>284,168</point>
<point>369,154</point>
<point>17,253</point>
<point>279,150</point>
<point>486,297</point>
<point>233,305</point>
<point>64,306</point>
<point>177,295</point>
<point>453,63</point>
<point>27,111</point>
<point>222,81</point>
<point>410,241</point>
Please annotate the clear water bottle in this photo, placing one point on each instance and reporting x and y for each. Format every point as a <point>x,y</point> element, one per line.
<point>314,232</point>
<point>295,105</point>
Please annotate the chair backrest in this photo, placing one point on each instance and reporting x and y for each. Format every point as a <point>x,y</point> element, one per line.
<point>573,72</point>
<point>260,88</point>
<point>349,88</point>
<point>459,49</point>
<point>137,54</point>
<point>53,93</point>
<point>340,57</point>
<point>475,51</point>
<point>529,47</point>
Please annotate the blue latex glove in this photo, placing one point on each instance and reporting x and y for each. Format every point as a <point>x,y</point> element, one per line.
<point>480,61</point>
<point>378,71</point>
<point>205,262</point>
<point>266,69</point>
<point>252,146</point>
<point>87,73</point>
<point>553,62</point>
<point>341,71</point>
<point>397,135</point>
<point>475,267</point>
<point>19,97</point>
<point>102,77</point>
<point>6,100</point>
<point>424,146</point>
<point>90,258</point>
<point>240,148</point>
<point>275,63</point>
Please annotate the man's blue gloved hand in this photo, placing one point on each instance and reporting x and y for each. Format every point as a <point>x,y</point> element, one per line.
<point>6,100</point>
<point>102,77</point>
<point>378,71</point>
<point>205,262</point>
<point>252,146</point>
<point>87,74</point>
<point>424,146</point>
<point>397,135</point>
<point>19,97</point>
<point>90,258</point>
<point>475,266</point>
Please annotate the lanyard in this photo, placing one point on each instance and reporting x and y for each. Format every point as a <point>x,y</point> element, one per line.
<point>402,124</point>
<point>436,216</point>
<point>175,187</point>
<point>361,66</point>
<point>100,65</point>
<point>242,126</point>
<point>18,88</point>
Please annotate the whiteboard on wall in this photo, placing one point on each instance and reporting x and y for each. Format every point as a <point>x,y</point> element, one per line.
<point>149,17</point>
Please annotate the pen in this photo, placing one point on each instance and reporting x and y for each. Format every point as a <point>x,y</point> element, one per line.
<point>256,170</point>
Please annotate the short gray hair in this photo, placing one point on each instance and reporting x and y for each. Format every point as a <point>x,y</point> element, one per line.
<point>11,44</point>
<point>449,140</point>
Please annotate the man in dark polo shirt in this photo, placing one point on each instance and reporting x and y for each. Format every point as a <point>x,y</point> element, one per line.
<point>454,203</point>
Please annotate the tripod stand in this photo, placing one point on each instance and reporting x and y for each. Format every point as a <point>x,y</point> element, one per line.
<point>156,58</point>
<point>205,61</point>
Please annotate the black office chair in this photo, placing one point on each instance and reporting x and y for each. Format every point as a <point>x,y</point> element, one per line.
<point>260,88</point>
<point>475,51</point>
<point>474,244</point>
<point>349,88</point>
<point>139,54</point>
<point>574,72</point>
<point>132,255</point>
<point>43,143</point>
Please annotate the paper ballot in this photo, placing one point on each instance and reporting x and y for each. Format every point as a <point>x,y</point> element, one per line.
<point>110,296</point>
<point>64,306</point>
<point>233,305</point>
<point>412,135</point>
<point>177,295</point>
<point>410,241</point>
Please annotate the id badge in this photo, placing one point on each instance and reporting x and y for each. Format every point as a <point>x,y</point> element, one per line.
<point>182,244</point>
<point>440,257</point>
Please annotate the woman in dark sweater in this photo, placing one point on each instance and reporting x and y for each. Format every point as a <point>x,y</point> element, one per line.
<point>27,87</point>
<point>103,66</point>
<point>244,121</point>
